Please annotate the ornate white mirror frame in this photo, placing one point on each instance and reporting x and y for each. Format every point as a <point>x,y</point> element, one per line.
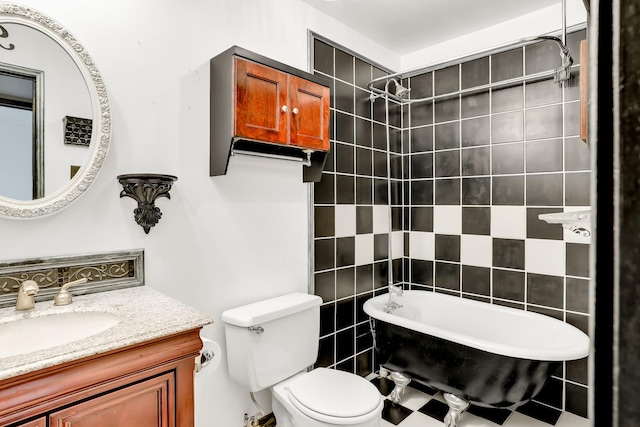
<point>101,116</point>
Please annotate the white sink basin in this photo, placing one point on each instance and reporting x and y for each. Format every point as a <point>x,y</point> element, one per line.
<point>39,333</point>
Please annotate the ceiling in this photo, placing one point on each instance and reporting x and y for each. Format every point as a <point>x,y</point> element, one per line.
<point>405,26</point>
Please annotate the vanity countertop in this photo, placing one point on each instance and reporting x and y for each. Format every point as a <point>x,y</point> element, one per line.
<point>145,314</point>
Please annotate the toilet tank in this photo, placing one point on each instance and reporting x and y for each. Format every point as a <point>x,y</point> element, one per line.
<point>271,340</point>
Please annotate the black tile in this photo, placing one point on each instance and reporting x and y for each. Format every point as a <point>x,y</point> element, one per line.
<point>447,276</point>
<point>545,290</point>
<point>380,247</point>
<point>423,388</point>
<point>544,190</point>
<point>577,259</point>
<point>364,278</point>
<point>540,412</point>
<point>364,219</point>
<point>329,165</point>
<point>539,229</point>
<point>344,97</point>
<point>577,400</point>
<point>345,251</point>
<point>325,352</point>
<point>506,65</point>
<point>508,284</point>
<point>508,253</point>
<point>542,93</point>
<point>364,191</point>
<point>322,57</point>
<point>422,139</point>
<point>422,219</point>
<point>551,393</point>
<point>380,164</point>
<point>345,189</point>
<point>435,409</point>
<point>396,165</point>
<point>324,254</point>
<point>345,313</point>
<point>556,314</point>
<point>345,343</point>
<point>384,385</point>
<point>327,319</point>
<point>422,272</point>
<point>344,127</point>
<point>363,161</point>
<point>344,158</point>
<point>396,192</point>
<point>395,114</point>
<point>348,365</point>
<point>421,86</point>
<point>476,280</point>
<point>324,221</point>
<point>542,56</point>
<point>578,370</point>
<point>422,192</point>
<point>447,191</point>
<point>580,321</point>
<point>495,415</point>
<point>447,80</point>
<point>475,132</point>
<point>544,156</point>
<point>577,155</point>
<point>447,110</point>
<point>508,159</point>
<point>475,104</point>
<point>422,165</point>
<point>344,66</point>
<point>476,220</point>
<point>345,283</point>
<point>475,73</point>
<point>507,127</point>
<point>475,161</point>
<point>447,247</point>
<point>476,191</point>
<point>507,99</point>
<point>508,190</point>
<point>324,191</point>
<point>364,363</point>
<point>363,104</point>
<point>393,413</point>
<point>577,186</point>
<point>577,295</point>
<point>379,136</point>
<point>380,192</point>
<point>447,136</point>
<point>363,133</point>
<point>421,113</point>
<point>362,73</point>
<point>544,122</point>
<point>380,275</point>
<point>447,163</point>
<point>325,285</point>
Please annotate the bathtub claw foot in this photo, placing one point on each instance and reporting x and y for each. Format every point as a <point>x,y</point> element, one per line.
<point>401,382</point>
<point>456,407</point>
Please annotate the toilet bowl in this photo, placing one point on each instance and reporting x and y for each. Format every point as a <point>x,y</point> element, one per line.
<point>326,397</point>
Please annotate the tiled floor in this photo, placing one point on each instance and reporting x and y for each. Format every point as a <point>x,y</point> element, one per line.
<point>426,408</point>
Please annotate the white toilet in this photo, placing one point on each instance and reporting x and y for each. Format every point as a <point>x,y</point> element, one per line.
<point>271,343</point>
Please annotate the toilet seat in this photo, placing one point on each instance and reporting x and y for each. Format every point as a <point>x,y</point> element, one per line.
<point>335,397</point>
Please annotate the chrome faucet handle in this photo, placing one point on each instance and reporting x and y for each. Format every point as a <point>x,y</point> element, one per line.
<point>63,297</point>
<point>27,290</point>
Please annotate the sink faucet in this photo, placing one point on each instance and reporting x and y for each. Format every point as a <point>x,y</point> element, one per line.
<point>392,305</point>
<point>63,297</point>
<point>26,292</point>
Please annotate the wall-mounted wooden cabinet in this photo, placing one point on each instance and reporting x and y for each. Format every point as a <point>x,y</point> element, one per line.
<point>264,107</point>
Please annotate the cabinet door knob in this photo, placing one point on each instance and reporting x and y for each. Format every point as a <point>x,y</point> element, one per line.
<point>284,109</point>
<point>294,111</point>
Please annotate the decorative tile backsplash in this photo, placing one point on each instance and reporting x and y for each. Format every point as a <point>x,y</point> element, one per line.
<point>106,271</point>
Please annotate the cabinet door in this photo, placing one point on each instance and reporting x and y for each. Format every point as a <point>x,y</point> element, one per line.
<point>261,110</point>
<point>309,114</point>
<point>150,403</point>
<point>40,422</point>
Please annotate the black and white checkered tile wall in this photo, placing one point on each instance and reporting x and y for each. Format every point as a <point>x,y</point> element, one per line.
<point>470,173</point>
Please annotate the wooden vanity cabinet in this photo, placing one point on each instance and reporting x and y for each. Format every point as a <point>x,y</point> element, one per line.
<point>145,385</point>
<point>262,106</point>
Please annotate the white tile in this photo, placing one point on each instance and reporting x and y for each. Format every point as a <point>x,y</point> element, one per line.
<point>364,249</point>
<point>476,250</point>
<point>568,419</point>
<point>447,219</point>
<point>397,244</point>
<point>516,419</point>
<point>509,222</point>
<point>544,256</point>
<point>345,220</point>
<point>422,245</point>
<point>414,399</point>
<point>380,219</point>
<point>418,419</point>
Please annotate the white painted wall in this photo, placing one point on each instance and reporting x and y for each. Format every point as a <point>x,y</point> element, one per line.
<point>222,241</point>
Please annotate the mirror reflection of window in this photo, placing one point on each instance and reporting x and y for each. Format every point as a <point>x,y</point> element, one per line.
<point>21,162</point>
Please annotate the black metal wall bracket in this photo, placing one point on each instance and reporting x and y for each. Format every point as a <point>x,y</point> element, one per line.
<point>145,188</point>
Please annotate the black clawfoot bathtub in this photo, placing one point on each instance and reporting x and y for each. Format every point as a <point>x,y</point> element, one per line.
<point>486,354</point>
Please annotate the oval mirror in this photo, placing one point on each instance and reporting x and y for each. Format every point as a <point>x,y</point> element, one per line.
<point>55,122</point>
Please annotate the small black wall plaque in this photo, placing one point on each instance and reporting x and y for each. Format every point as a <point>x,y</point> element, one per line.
<point>77,131</point>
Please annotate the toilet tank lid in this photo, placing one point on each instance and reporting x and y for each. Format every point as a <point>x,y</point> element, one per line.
<point>274,308</point>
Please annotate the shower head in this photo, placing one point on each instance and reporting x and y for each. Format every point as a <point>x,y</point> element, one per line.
<point>401,91</point>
